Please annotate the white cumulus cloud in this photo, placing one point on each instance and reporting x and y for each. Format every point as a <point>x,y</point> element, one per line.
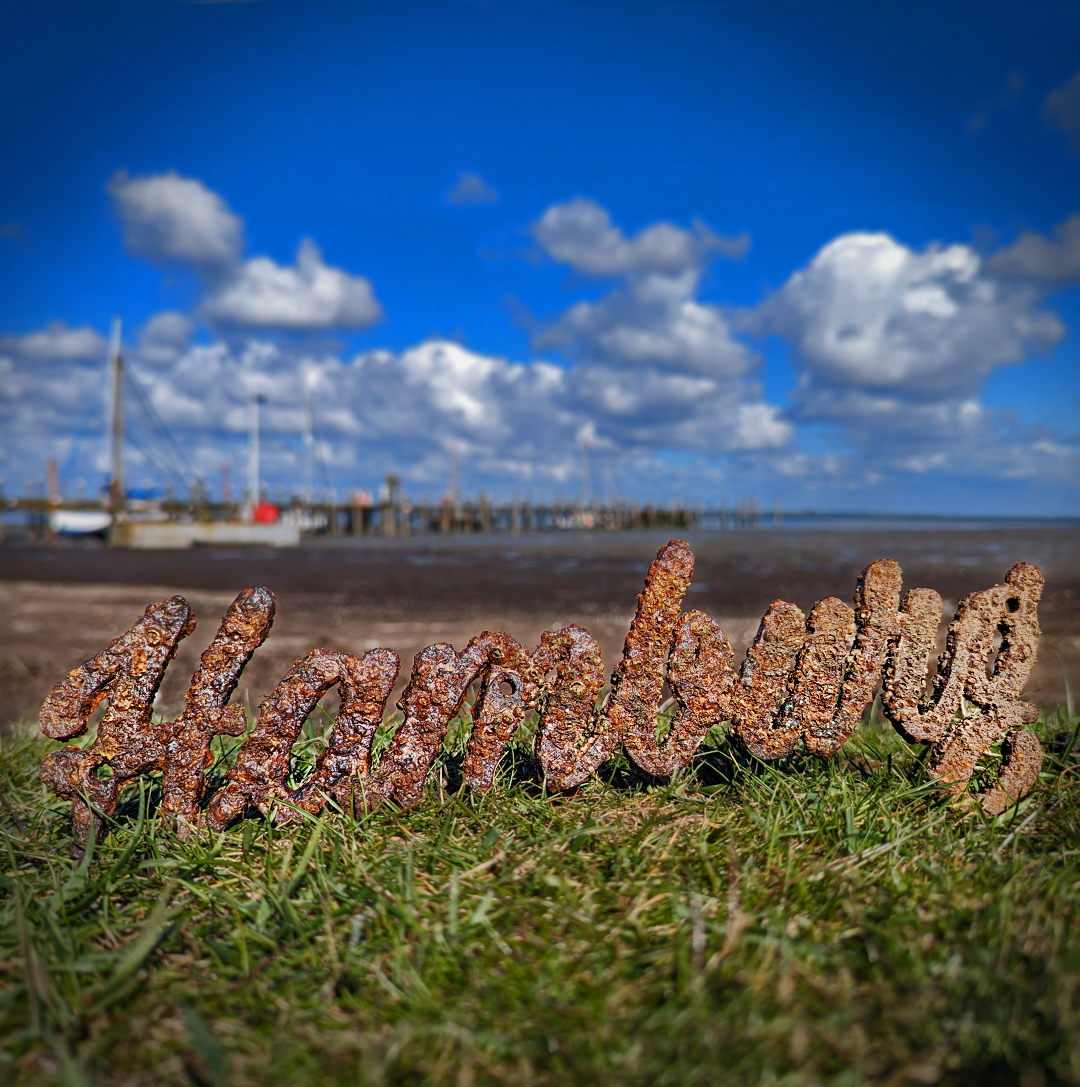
<point>893,346</point>
<point>307,296</point>
<point>165,337</point>
<point>56,342</point>
<point>168,218</point>
<point>656,366</point>
<point>639,326</point>
<point>1053,261</point>
<point>759,426</point>
<point>870,313</point>
<point>580,233</point>
<point>510,419</point>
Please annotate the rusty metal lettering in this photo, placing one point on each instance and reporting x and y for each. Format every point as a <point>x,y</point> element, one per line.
<point>260,774</point>
<point>804,680</point>
<point>691,652</point>
<point>572,739</point>
<point>496,714</point>
<point>207,712</point>
<point>961,738</point>
<point>904,682</point>
<point>128,673</point>
<point>877,603</point>
<point>760,695</point>
<point>700,660</point>
<point>436,692</point>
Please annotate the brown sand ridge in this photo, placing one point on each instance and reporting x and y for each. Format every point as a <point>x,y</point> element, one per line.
<point>61,605</point>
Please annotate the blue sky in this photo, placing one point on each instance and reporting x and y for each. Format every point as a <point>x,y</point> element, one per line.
<point>820,250</point>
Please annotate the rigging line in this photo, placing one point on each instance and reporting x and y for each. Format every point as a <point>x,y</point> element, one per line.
<point>159,426</point>
<point>89,415</point>
<point>168,471</point>
<point>166,466</point>
<point>158,423</point>
<point>146,407</point>
<point>324,467</point>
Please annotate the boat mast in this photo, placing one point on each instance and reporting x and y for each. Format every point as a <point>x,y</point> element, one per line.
<point>309,444</point>
<point>116,476</point>
<point>253,451</point>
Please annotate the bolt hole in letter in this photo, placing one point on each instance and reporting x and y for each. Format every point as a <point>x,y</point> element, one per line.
<point>805,680</point>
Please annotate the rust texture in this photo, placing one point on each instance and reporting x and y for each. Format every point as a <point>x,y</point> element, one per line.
<point>496,714</point>
<point>969,710</point>
<point>260,774</point>
<point>904,683</point>
<point>572,739</point>
<point>762,688</point>
<point>877,603</point>
<point>128,743</point>
<point>435,694</point>
<point>804,684</point>
<point>700,660</point>
<point>207,712</point>
<point>819,671</point>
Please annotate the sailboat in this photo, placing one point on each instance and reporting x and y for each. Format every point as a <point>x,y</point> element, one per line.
<point>154,528</point>
<point>96,522</point>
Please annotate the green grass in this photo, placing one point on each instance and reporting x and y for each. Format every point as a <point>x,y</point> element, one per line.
<point>811,923</point>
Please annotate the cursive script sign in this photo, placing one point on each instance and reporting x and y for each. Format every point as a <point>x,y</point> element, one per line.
<point>805,680</point>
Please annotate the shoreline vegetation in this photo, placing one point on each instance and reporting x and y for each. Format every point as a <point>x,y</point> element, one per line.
<point>803,922</point>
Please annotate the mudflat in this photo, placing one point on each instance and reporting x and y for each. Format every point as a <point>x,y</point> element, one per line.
<point>60,605</point>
